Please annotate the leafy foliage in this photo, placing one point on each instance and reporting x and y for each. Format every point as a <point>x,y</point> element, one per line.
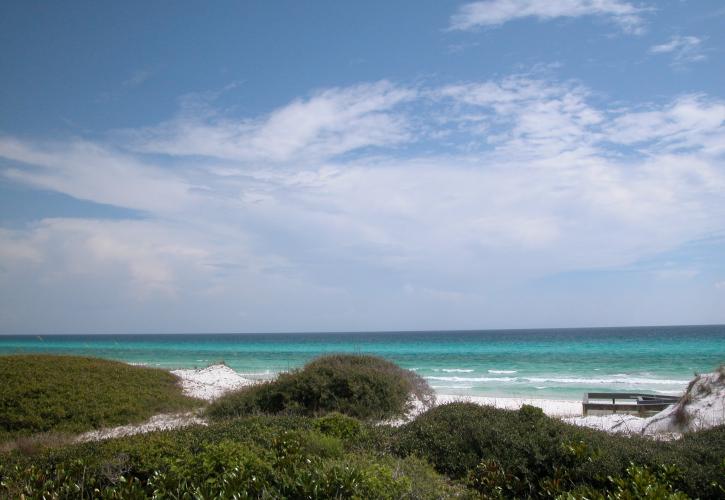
<point>364,387</point>
<point>43,393</point>
<point>513,454</point>
<point>257,457</point>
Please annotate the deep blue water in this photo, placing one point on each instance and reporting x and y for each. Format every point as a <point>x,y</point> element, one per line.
<point>552,363</point>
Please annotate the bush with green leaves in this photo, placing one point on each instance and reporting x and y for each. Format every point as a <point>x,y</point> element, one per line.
<point>41,393</point>
<point>256,457</point>
<point>512,454</point>
<point>360,386</point>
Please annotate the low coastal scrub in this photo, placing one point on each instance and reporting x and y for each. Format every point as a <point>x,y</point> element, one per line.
<point>519,454</point>
<point>365,387</point>
<point>43,393</point>
<point>254,457</point>
<point>453,451</point>
<point>292,440</point>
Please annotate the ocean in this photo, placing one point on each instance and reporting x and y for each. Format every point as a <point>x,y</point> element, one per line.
<point>547,364</point>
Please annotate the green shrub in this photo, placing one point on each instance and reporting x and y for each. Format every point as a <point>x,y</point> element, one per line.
<point>456,437</point>
<point>42,393</point>
<point>258,457</point>
<point>339,425</point>
<point>512,455</point>
<point>364,387</point>
<point>524,453</point>
<point>637,483</point>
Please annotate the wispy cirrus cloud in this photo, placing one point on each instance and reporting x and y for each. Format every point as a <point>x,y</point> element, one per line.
<point>329,123</point>
<point>497,12</point>
<point>526,116</point>
<point>95,172</point>
<point>691,121</point>
<point>683,49</point>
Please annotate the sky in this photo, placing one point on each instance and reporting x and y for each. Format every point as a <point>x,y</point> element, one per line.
<point>279,166</point>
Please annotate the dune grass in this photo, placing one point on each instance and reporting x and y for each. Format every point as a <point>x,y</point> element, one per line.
<point>68,394</point>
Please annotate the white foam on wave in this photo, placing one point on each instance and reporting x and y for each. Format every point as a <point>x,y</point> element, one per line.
<point>454,370</point>
<point>671,393</point>
<point>632,381</point>
<point>610,380</point>
<point>502,372</point>
<point>473,379</point>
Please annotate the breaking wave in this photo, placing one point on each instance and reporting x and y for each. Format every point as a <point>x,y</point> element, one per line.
<point>473,379</point>
<point>568,380</point>
<point>454,370</point>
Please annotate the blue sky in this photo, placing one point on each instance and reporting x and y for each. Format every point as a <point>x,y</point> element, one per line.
<point>335,166</point>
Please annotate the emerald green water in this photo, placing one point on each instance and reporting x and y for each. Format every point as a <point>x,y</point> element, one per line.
<point>553,363</point>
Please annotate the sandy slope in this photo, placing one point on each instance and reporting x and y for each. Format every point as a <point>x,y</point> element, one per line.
<point>211,382</point>
<point>702,407</point>
<point>156,423</point>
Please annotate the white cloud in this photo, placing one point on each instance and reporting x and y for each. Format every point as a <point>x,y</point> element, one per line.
<point>689,122</point>
<point>497,12</point>
<point>537,179</point>
<point>531,117</point>
<point>92,172</point>
<point>330,123</point>
<point>15,249</point>
<point>684,50</point>
<point>145,253</point>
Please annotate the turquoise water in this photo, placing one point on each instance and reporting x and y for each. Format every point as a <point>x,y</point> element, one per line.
<point>553,363</point>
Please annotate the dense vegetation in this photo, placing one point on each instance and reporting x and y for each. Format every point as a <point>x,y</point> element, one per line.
<point>360,386</point>
<point>44,393</point>
<point>525,453</point>
<point>302,450</point>
<point>254,457</point>
<point>454,451</point>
